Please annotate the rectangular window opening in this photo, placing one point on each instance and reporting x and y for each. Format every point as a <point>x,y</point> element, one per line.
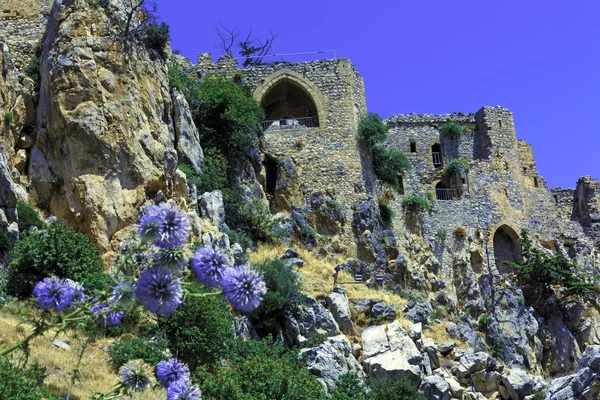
<point>555,199</point>
<point>413,147</point>
<point>535,182</point>
<point>400,184</point>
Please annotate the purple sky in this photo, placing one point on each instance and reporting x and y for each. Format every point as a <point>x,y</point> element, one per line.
<point>539,59</point>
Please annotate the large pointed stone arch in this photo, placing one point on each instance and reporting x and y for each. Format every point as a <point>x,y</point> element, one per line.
<point>299,81</point>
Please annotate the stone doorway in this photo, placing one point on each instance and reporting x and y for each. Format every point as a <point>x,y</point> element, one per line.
<point>506,248</point>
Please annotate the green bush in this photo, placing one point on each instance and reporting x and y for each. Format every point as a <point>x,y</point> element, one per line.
<point>457,167</point>
<point>401,389</point>
<point>389,164</point>
<point>350,387</point>
<point>539,268</point>
<point>181,80</point>
<point>23,383</point>
<point>415,203</point>
<point>155,36</point>
<point>227,116</point>
<point>136,348</point>
<point>60,251</point>
<point>387,214</point>
<point>371,129</point>
<point>441,234</point>
<point>9,118</point>
<point>28,217</point>
<point>283,293</point>
<point>484,319</point>
<point>200,329</point>
<point>258,220</point>
<point>262,371</point>
<point>32,69</point>
<point>452,130</point>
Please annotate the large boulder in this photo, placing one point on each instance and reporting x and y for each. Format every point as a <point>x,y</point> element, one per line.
<point>310,320</point>
<point>212,208</point>
<point>435,388</point>
<point>287,188</point>
<point>338,304</point>
<point>330,359</point>
<point>189,150</point>
<point>105,137</point>
<point>519,383</point>
<point>391,354</point>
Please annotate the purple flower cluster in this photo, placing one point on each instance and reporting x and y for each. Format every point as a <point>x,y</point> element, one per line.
<point>183,390</point>
<point>165,225</point>
<point>159,291</point>
<point>123,294</point>
<point>136,376</point>
<point>53,293</point>
<point>175,377</point>
<point>243,288</point>
<point>209,264</point>
<point>107,315</point>
<point>78,291</point>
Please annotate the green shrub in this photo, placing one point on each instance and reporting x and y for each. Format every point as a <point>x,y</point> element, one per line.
<point>441,234</point>
<point>539,268</point>
<point>430,196</point>
<point>155,36</point>
<point>28,217</point>
<point>483,321</point>
<point>135,348</point>
<point>260,370</point>
<point>415,203</point>
<point>371,129</point>
<point>60,251</point>
<point>283,293</point>
<point>389,164</point>
<point>350,387</point>
<point>182,81</point>
<point>32,69</point>
<point>23,383</point>
<point>227,116</point>
<point>387,214</point>
<point>258,220</point>
<point>9,118</point>
<point>457,167</point>
<point>452,130</point>
<point>200,329</point>
<point>401,389</point>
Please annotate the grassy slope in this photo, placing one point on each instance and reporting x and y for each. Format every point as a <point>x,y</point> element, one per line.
<point>97,373</point>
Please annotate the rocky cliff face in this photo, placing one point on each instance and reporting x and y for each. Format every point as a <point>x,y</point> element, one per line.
<point>105,132</point>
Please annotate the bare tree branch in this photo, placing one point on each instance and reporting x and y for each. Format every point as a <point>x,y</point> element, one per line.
<point>228,37</point>
<point>251,48</point>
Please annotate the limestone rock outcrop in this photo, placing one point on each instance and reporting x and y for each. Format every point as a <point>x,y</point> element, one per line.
<point>105,136</point>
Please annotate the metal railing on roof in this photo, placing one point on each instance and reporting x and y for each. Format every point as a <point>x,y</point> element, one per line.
<point>290,123</point>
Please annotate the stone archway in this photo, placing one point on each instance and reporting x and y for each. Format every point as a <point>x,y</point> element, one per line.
<point>288,94</point>
<point>506,248</point>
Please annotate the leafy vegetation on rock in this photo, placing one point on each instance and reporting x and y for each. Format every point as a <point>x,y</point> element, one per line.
<point>28,217</point>
<point>452,130</point>
<point>415,203</point>
<point>260,370</point>
<point>137,348</point>
<point>59,251</point>
<point>23,383</point>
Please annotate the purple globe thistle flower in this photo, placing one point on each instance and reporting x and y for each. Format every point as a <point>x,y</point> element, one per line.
<point>53,293</point>
<point>107,316</point>
<point>78,291</point>
<point>183,390</point>
<point>136,376</point>
<point>243,288</point>
<point>123,294</point>
<point>209,264</point>
<point>171,370</point>
<point>159,291</point>
<point>170,258</point>
<point>174,226</point>
<point>149,224</point>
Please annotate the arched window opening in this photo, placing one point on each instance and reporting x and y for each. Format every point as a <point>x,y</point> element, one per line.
<point>288,105</point>
<point>443,192</point>
<point>436,153</point>
<point>400,185</point>
<point>506,248</point>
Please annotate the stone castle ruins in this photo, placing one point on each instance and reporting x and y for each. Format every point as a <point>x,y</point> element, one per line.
<point>312,111</point>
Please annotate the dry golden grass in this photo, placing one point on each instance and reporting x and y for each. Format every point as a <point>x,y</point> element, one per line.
<point>317,279</point>
<point>439,333</point>
<point>97,375</point>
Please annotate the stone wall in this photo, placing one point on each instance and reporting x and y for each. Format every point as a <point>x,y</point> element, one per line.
<point>22,26</point>
<point>327,157</point>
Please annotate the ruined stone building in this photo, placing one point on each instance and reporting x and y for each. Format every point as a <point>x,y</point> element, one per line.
<point>312,111</point>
